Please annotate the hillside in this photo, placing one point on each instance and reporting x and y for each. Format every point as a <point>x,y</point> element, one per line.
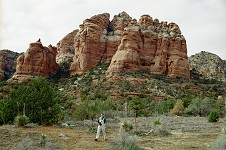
<point>207,66</point>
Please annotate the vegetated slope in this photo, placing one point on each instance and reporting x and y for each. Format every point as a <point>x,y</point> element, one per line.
<point>207,66</point>
<point>143,84</point>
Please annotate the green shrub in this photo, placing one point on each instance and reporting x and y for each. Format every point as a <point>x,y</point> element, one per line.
<point>21,120</point>
<point>213,116</point>
<point>137,106</point>
<point>161,130</point>
<point>186,101</point>
<point>89,109</point>
<point>86,110</point>
<point>156,122</point>
<point>41,99</point>
<point>200,106</point>
<point>125,141</point>
<point>164,106</point>
<point>127,127</point>
<point>178,108</point>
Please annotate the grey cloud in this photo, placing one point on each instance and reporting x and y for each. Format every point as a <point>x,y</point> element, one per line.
<point>202,22</point>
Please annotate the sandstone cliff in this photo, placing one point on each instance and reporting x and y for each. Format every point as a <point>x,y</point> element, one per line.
<point>130,45</point>
<point>65,48</point>
<point>208,66</point>
<point>90,43</point>
<point>7,63</point>
<point>38,60</point>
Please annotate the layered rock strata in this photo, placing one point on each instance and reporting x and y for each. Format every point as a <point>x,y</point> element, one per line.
<point>65,48</point>
<point>130,45</point>
<point>148,44</point>
<point>38,60</point>
<point>90,44</point>
<point>7,64</point>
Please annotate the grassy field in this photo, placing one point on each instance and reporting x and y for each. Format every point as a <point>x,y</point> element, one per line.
<point>185,133</point>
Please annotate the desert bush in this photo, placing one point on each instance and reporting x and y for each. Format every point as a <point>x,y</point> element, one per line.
<point>200,106</point>
<point>186,101</point>
<point>125,141</point>
<point>21,120</point>
<point>161,130</point>
<point>178,108</point>
<point>126,126</point>
<point>156,122</point>
<point>219,143</point>
<point>213,116</point>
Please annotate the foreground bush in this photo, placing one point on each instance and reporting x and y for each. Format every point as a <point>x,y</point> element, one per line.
<point>127,127</point>
<point>43,103</point>
<point>213,116</point>
<point>126,141</point>
<point>21,120</point>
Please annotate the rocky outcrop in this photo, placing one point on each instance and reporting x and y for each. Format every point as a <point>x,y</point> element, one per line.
<point>148,44</point>
<point>38,60</point>
<point>7,64</point>
<point>114,34</point>
<point>130,45</point>
<point>90,43</point>
<point>65,48</point>
<point>207,66</point>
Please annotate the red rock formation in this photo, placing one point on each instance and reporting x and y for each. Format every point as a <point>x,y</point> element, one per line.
<point>127,56</point>
<point>162,49</point>
<point>65,48</point>
<point>130,45</point>
<point>90,43</point>
<point>37,61</point>
<point>114,34</point>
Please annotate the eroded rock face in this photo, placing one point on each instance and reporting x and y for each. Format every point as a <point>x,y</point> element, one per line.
<point>114,34</point>
<point>7,64</point>
<point>90,43</point>
<point>38,60</point>
<point>160,47</point>
<point>130,45</point>
<point>208,66</point>
<point>65,48</point>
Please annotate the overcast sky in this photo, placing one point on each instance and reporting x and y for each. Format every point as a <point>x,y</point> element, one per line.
<point>202,22</point>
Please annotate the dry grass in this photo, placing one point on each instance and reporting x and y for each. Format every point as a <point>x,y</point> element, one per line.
<point>186,133</point>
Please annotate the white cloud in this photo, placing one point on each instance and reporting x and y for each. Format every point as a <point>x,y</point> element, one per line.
<point>202,22</point>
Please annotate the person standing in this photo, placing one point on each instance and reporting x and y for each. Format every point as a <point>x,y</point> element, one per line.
<point>101,127</point>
